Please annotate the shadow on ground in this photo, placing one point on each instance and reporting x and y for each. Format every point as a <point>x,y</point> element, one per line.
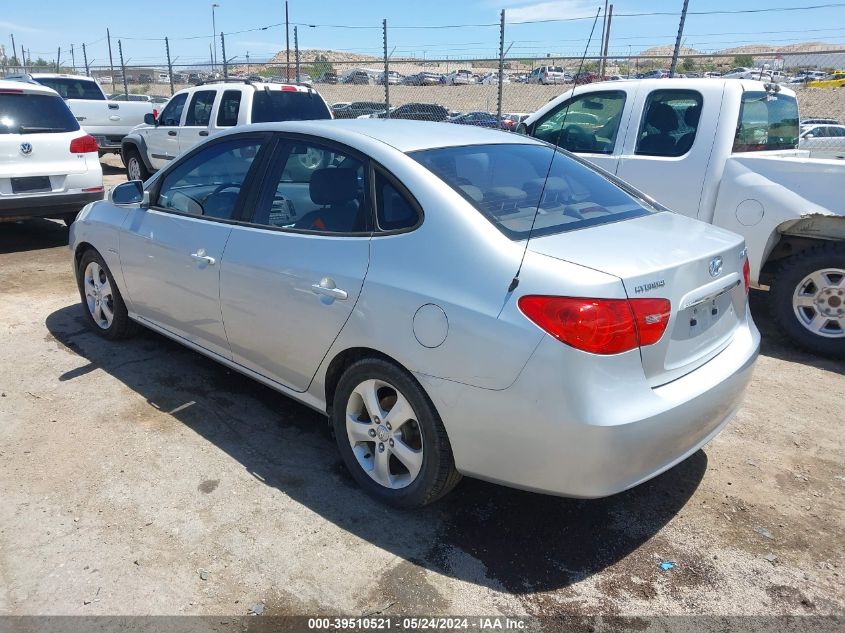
<point>31,235</point>
<point>527,542</point>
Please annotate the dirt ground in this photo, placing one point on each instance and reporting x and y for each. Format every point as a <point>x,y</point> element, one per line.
<point>141,478</point>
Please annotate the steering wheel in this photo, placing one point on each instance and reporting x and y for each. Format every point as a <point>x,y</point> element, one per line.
<point>575,137</point>
<point>223,187</point>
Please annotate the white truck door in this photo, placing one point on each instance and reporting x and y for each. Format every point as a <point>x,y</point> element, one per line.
<point>592,123</point>
<point>197,119</point>
<point>163,139</point>
<point>668,146</point>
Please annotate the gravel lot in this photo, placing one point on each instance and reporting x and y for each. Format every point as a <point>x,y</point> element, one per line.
<point>141,478</point>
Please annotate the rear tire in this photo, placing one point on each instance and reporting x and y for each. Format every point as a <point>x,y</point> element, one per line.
<point>135,168</point>
<point>102,303</point>
<point>390,436</point>
<point>807,299</point>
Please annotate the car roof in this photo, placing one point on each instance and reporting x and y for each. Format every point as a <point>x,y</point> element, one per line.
<point>406,136</point>
<point>25,86</point>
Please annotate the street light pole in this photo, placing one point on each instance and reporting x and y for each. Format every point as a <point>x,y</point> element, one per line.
<point>213,36</point>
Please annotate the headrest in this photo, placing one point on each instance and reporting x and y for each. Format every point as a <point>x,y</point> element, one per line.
<point>662,117</point>
<point>333,185</point>
<point>692,115</point>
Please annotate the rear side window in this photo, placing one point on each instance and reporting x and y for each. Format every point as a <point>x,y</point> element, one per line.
<point>395,211</point>
<point>230,104</point>
<point>283,105</point>
<point>199,110</point>
<point>70,88</point>
<point>767,121</point>
<point>507,183</point>
<point>670,122</point>
<point>30,114</point>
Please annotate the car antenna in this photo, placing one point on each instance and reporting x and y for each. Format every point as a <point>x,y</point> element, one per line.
<point>515,281</point>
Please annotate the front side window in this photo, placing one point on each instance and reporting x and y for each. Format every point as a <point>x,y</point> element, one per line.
<point>172,113</point>
<point>209,183</point>
<point>670,122</point>
<point>508,184</point>
<point>199,111</point>
<point>316,188</point>
<point>69,88</point>
<point>585,123</point>
<point>767,121</point>
<point>230,104</point>
<point>34,113</point>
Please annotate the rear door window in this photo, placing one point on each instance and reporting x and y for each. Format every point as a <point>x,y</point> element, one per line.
<point>31,114</point>
<point>230,104</point>
<point>670,122</point>
<point>767,121</point>
<point>586,123</point>
<point>284,105</point>
<point>199,110</point>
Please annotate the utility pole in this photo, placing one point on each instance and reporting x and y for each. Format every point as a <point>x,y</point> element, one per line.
<point>606,43</point>
<point>85,59</point>
<point>601,45</point>
<point>169,64</point>
<point>287,43</point>
<point>223,50</point>
<point>58,58</point>
<point>72,59</point>
<point>678,40</point>
<point>247,64</point>
<point>213,37</point>
<point>14,50</point>
<point>386,71</point>
<point>296,52</point>
<point>122,67</point>
<point>501,65</point>
<point>111,61</point>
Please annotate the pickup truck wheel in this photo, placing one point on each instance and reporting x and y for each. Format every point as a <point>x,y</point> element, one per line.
<point>135,168</point>
<point>390,436</point>
<point>808,299</point>
<point>104,308</point>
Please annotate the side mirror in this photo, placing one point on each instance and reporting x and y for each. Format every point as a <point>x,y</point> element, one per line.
<point>522,128</point>
<point>150,119</point>
<point>129,194</point>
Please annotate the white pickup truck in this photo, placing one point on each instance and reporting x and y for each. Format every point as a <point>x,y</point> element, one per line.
<point>107,121</point>
<point>724,151</point>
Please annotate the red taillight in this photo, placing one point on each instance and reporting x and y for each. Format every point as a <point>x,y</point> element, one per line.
<point>10,91</point>
<point>746,274</point>
<point>155,113</point>
<point>599,326</point>
<point>288,88</point>
<point>83,145</point>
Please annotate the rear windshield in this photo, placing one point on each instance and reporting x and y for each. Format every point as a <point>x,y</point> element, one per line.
<point>281,105</point>
<point>31,114</point>
<point>767,121</point>
<point>70,88</point>
<point>507,183</point>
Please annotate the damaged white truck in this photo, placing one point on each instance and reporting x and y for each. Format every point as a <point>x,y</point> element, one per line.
<point>724,151</point>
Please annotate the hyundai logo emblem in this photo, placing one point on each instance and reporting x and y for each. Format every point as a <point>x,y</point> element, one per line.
<point>716,266</point>
<point>26,149</point>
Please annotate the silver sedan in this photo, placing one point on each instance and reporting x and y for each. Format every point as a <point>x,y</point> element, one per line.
<point>458,301</point>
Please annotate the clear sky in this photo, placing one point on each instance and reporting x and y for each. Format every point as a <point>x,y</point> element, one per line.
<point>44,25</point>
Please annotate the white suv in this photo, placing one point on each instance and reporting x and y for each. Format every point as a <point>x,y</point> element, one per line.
<point>195,113</point>
<point>49,167</point>
<point>548,75</point>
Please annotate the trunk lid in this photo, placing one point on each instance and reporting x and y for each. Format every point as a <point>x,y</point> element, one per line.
<point>668,256</point>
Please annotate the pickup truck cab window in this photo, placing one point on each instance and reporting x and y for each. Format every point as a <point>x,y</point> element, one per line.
<point>172,113</point>
<point>586,123</point>
<point>71,88</point>
<point>669,123</point>
<point>767,121</point>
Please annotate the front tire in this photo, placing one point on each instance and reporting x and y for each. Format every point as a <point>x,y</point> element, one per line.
<point>390,436</point>
<point>102,303</point>
<point>807,299</point>
<point>135,168</point>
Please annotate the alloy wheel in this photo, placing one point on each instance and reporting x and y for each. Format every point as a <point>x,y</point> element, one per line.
<point>98,295</point>
<point>819,302</point>
<point>133,167</point>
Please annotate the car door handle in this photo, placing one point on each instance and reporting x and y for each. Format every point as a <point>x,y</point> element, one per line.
<point>171,133</point>
<point>200,256</point>
<point>114,106</point>
<point>204,133</point>
<point>327,288</point>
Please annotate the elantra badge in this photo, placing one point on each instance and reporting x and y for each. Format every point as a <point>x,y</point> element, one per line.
<point>26,149</point>
<point>716,266</point>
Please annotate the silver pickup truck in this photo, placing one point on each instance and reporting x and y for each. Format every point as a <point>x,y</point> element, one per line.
<point>107,121</point>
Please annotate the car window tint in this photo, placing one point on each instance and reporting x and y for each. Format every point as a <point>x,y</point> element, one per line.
<point>209,182</point>
<point>172,113</point>
<point>767,121</point>
<point>230,103</point>
<point>69,88</point>
<point>316,188</point>
<point>34,113</point>
<point>586,123</point>
<point>394,210</point>
<point>516,186</point>
<point>669,123</point>
<point>287,105</point>
<point>199,111</point>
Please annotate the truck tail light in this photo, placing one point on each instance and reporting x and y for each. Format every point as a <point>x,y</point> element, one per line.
<point>83,145</point>
<point>599,326</point>
<point>746,274</point>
